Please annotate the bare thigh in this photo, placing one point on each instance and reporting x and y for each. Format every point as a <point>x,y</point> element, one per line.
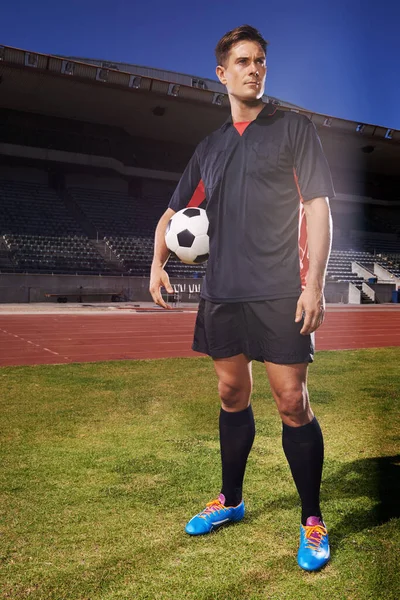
<point>234,382</point>
<point>289,389</point>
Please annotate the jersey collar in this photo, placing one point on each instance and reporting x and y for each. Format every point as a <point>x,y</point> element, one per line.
<point>267,111</point>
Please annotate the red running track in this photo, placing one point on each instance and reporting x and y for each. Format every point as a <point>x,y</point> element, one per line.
<point>31,339</point>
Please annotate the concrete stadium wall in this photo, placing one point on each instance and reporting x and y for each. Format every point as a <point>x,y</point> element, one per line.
<point>354,294</point>
<point>337,293</point>
<point>361,271</point>
<point>25,287</point>
<point>21,287</point>
<point>383,291</point>
<point>385,275</point>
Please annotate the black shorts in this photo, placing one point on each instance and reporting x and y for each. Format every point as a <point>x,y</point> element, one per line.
<point>263,330</point>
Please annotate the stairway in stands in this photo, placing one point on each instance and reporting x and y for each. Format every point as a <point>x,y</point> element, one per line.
<point>365,299</point>
<point>114,263</point>
<point>109,255</point>
<point>6,263</point>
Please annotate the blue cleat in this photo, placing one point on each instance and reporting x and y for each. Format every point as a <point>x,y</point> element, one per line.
<point>213,516</point>
<point>314,550</point>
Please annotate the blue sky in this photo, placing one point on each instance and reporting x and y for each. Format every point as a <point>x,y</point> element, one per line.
<point>337,57</point>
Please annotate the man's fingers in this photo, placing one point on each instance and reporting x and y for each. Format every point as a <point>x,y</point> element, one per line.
<point>166,283</point>
<point>307,325</point>
<point>312,308</point>
<point>157,298</point>
<point>169,289</point>
<point>161,302</point>
<point>312,321</point>
<point>299,312</point>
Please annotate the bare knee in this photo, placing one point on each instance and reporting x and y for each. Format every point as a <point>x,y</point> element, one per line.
<point>293,405</point>
<point>234,397</point>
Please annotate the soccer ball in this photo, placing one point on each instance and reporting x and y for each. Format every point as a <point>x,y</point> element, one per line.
<point>187,235</point>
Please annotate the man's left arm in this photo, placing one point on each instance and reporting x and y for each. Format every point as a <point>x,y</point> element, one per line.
<point>319,237</point>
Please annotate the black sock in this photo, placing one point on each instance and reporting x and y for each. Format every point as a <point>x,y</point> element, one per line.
<point>304,450</point>
<point>237,431</point>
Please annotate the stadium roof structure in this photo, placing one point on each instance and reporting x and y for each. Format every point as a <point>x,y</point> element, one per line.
<point>193,81</point>
<point>166,106</point>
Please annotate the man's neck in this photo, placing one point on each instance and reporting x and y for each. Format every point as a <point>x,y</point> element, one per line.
<point>245,111</point>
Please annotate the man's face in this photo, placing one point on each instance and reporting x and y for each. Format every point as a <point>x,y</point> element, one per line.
<point>244,72</point>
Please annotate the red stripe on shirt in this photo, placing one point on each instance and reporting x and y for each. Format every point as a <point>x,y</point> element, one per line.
<point>199,195</point>
<point>303,242</point>
<point>241,127</point>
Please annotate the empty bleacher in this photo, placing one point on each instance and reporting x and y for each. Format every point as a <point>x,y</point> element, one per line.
<point>34,209</point>
<point>127,225</point>
<point>390,262</point>
<point>111,212</point>
<point>55,254</point>
<point>340,261</point>
<point>134,252</point>
<point>114,213</point>
<point>137,253</point>
<point>40,234</point>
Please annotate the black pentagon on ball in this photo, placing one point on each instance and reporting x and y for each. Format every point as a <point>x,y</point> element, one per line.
<point>168,226</point>
<point>185,238</point>
<point>191,212</point>
<point>201,258</point>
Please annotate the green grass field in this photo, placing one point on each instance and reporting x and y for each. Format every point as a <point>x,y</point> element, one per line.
<point>103,464</point>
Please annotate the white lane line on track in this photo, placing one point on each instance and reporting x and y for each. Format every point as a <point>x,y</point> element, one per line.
<point>112,336</point>
<point>32,343</point>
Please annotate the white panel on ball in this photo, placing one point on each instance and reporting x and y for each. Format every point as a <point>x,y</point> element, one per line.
<point>200,245</point>
<point>185,255</point>
<point>197,225</point>
<point>187,235</point>
<point>172,241</point>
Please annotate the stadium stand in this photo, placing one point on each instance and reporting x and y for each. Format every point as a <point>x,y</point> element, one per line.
<point>39,233</point>
<point>108,147</point>
<point>137,252</point>
<point>33,208</point>
<point>111,212</point>
<point>54,254</point>
<point>339,266</point>
<point>390,262</point>
<point>116,213</point>
<point>127,226</point>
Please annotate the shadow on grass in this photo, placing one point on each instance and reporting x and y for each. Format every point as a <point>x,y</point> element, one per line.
<point>375,478</point>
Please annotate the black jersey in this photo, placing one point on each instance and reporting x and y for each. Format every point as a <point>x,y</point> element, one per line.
<point>253,185</point>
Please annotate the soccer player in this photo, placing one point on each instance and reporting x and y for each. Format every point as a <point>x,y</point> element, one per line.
<point>267,186</point>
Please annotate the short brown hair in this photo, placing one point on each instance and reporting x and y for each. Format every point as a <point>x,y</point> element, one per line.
<point>244,32</point>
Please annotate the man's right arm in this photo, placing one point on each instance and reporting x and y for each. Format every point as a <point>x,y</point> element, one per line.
<point>158,276</point>
<point>180,199</point>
